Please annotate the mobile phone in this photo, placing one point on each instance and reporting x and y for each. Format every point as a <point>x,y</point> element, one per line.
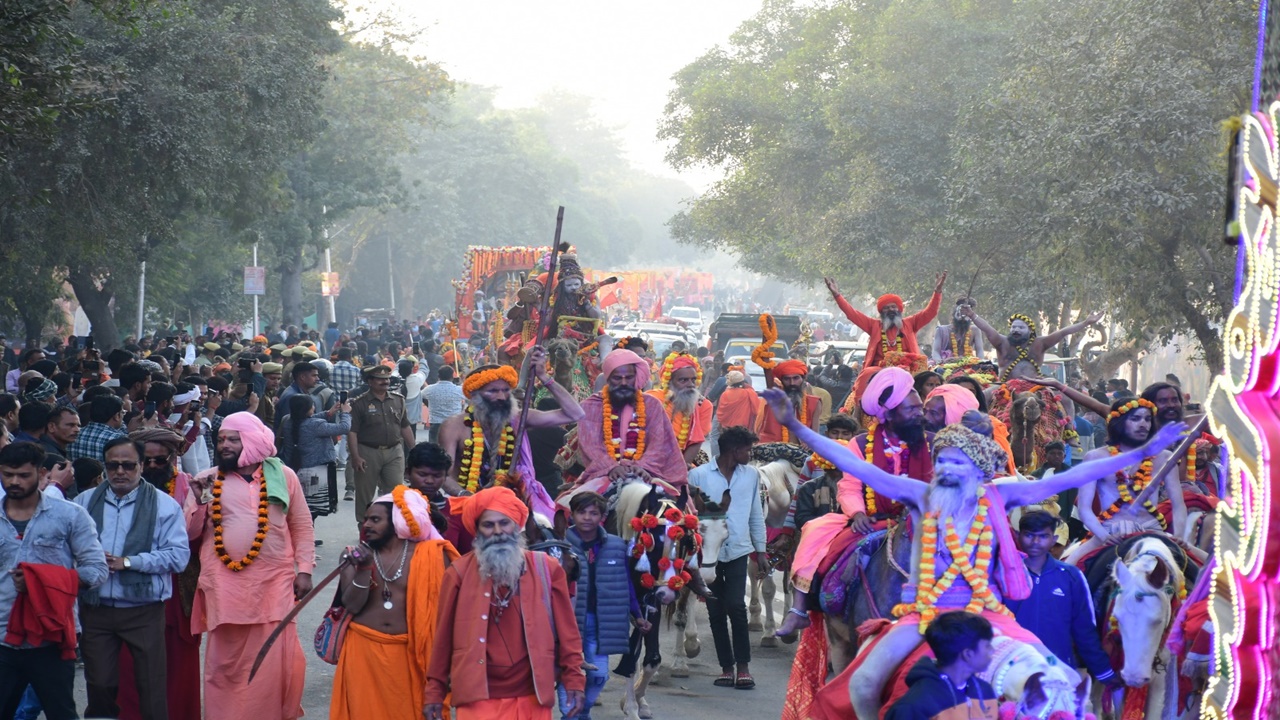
<point>88,342</point>
<point>149,411</point>
<point>342,396</point>
<point>76,379</point>
<point>417,349</point>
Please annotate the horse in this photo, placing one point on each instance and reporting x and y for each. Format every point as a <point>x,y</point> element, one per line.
<point>1020,674</point>
<point>778,482</point>
<point>1143,587</point>
<point>864,584</point>
<point>712,514</point>
<point>665,543</point>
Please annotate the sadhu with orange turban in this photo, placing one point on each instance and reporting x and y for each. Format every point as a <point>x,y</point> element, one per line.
<point>790,375</point>
<point>891,331</point>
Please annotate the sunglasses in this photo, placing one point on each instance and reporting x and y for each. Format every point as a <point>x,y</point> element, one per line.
<point>113,466</point>
<point>157,460</point>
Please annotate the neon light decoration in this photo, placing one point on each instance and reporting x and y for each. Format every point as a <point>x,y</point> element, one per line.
<point>1244,411</point>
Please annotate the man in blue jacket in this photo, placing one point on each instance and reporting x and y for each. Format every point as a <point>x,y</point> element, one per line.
<point>1058,591</point>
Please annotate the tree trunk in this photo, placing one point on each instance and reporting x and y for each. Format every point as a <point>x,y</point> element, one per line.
<point>96,302</point>
<point>291,287</point>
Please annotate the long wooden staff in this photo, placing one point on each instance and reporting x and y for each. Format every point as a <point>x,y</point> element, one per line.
<point>1178,451</point>
<point>544,319</point>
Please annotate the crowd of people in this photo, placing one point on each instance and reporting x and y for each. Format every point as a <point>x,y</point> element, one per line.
<point>149,493</point>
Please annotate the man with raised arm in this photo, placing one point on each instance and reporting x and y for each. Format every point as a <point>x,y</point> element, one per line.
<point>1021,351</point>
<point>891,331</point>
<point>964,540</point>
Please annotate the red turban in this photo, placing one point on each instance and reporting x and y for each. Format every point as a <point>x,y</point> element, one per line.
<point>790,367</point>
<point>684,361</point>
<point>494,498</point>
<point>887,299</point>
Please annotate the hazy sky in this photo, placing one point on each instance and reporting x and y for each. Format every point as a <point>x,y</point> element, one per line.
<point>621,54</point>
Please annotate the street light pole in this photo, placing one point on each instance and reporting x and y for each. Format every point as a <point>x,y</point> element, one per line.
<point>257,327</point>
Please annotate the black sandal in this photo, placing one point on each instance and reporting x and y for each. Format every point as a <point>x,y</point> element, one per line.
<point>744,682</point>
<point>725,680</point>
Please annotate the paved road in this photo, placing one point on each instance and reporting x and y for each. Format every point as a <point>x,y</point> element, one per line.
<point>694,696</point>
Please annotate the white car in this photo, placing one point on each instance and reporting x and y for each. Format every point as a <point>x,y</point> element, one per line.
<point>738,350</point>
<point>690,316</point>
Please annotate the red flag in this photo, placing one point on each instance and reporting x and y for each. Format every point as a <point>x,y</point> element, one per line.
<point>610,299</point>
<point>656,313</point>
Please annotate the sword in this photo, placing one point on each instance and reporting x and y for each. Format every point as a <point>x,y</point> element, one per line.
<point>1178,451</point>
<point>297,608</point>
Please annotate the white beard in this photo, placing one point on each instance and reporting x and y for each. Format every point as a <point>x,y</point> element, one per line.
<point>947,501</point>
<point>684,402</point>
<point>501,558</point>
<point>886,323</point>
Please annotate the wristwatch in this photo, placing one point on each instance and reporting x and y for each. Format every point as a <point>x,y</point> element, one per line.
<point>127,565</point>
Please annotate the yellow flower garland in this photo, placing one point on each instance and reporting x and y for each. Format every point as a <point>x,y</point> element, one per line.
<point>215,512</point>
<point>615,446</point>
<point>821,463</point>
<point>1022,350</point>
<point>965,349</point>
<point>868,494</point>
<point>930,587</point>
<point>473,452</point>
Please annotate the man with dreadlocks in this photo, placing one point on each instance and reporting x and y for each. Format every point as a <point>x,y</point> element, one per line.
<point>689,412</point>
<point>1022,350</point>
<point>1131,422</point>
<point>957,340</point>
<point>481,439</point>
<point>963,542</point>
<point>891,331</point>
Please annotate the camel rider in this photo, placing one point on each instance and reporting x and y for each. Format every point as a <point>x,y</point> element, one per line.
<point>963,538</point>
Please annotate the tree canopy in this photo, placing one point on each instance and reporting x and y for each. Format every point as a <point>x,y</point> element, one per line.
<point>1068,155</point>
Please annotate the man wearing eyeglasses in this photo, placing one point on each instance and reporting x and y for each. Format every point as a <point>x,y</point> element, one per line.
<point>144,536</point>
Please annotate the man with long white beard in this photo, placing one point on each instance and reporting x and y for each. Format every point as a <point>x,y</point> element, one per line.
<point>890,332</point>
<point>1022,350</point>
<point>506,625</point>
<point>481,439</point>
<point>688,411</point>
<point>957,340</point>
<point>791,376</point>
<point>947,572</point>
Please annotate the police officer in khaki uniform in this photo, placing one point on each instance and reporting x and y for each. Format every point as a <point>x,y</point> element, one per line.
<point>380,432</point>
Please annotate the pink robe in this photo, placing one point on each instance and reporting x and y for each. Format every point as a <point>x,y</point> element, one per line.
<point>239,610</point>
<point>662,457</point>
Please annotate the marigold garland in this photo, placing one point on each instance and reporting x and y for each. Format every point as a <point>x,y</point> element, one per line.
<point>1191,463</point>
<point>215,512</point>
<point>975,571</point>
<point>966,347</point>
<point>1023,354</point>
<point>884,344</point>
<point>620,448</point>
<point>397,498</point>
<point>868,452</point>
<point>821,463</point>
<point>473,451</point>
<point>172,485</point>
<point>804,419</point>
<point>762,355</point>
<point>1128,491</point>
<point>668,368</point>
<point>477,380</point>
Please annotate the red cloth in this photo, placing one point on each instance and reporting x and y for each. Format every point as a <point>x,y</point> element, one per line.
<point>871,326</point>
<point>182,660</point>
<point>790,367</point>
<point>501,499</point>
<point>808,670</point>
<point>45,613</point>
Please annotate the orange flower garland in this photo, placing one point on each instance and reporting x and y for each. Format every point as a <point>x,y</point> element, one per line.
<point>821,463</point>
<point>397,497</point>
<point>173,482</point>
<point>215,512</point>
<point>616,446</point>
<point>884,344</point>
<point>473,451</point>
<point>1130,406</point>
<point>966,349</point>
<point>1191,463</point>
<point>1141,479</point>
<point>868,494</point>
<point>477,380</point>
<point>668,367</point>
<point>804,419</point>
<point>930,587</point>
<point>762,355</point>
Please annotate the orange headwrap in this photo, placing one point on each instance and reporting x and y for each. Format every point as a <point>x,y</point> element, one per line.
<point>790,367</point>
<point>684,360</point>
<point>886,299</point>
<point>494,498</point>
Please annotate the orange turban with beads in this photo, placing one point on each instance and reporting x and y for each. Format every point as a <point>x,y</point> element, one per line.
<point>494,498</point>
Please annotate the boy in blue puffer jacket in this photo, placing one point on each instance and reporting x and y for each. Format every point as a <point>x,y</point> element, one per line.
<point>606,603</point>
